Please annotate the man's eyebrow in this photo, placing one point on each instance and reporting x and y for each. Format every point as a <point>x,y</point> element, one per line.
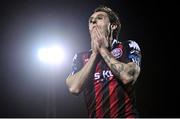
<point>99,15</point>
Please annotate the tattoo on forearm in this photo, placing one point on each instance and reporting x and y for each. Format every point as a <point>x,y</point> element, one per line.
<point>116,67</point>
<point>106,58</point>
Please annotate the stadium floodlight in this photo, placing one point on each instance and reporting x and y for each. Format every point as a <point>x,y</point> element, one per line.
<point>52,55</point>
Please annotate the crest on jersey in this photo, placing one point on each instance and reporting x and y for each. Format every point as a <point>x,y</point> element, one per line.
<point>117,52</point>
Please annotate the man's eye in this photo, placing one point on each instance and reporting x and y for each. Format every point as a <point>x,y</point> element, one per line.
<point>100,18</point>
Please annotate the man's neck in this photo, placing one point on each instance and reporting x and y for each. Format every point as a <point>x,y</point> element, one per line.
<point>111,41</point>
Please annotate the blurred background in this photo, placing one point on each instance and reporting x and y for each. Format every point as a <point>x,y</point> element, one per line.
<point>32,87</point>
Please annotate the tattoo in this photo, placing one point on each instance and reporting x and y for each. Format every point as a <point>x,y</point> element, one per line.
<point>116,67</point>
<point>106,58</point>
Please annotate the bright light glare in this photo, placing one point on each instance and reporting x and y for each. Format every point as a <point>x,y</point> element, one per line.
<point>51,55</point>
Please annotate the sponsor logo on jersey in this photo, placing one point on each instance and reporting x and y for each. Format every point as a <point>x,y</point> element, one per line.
<point>117,52</point>
<point>105,74</point>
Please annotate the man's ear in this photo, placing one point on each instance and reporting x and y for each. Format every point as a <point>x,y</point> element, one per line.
<point>113,26</point>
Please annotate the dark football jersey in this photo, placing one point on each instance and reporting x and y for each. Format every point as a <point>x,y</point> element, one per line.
<point>105,95</point>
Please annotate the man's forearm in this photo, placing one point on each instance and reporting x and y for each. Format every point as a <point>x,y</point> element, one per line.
<point>76,81</point>
<point>126,72</point>
<point>116,66</point>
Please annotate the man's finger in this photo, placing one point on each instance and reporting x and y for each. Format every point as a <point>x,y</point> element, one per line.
<point>93,34</point>
<point>98,32</point>
<point>97,35</point>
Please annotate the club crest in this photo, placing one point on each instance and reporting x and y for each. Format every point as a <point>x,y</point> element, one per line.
<point>117,52</point>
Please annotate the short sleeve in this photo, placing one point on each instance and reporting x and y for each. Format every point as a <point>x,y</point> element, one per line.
<point>132,52</point>
<point>77,63</point>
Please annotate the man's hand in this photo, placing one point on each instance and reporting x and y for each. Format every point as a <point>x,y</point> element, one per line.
<point>102,40</point>
<point>94,43</point>
<point>98,39</point>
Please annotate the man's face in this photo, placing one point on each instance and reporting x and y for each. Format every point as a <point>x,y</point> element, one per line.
<point>100,20</point>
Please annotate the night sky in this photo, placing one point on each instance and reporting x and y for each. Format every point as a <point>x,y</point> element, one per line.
<point>30,88</point>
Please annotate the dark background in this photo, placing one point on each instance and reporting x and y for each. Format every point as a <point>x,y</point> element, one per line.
<point>29,88</point>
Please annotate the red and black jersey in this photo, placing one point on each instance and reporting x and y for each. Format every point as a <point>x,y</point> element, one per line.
<point>105,95</point>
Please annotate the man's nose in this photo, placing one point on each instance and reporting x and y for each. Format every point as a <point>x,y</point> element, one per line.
<point>94,21</point>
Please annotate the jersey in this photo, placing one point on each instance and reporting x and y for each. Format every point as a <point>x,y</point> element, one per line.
<point>105,94</point>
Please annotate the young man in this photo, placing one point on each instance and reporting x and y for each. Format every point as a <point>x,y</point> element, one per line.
<point>107,73</point>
